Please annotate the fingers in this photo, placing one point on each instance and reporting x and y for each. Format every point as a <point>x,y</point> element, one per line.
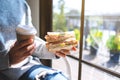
<point>21,54</point>
<point>24,43</point>
<point>59,54</point>
<point>62,53</point>
<point>27,48</point>
<point>26,51</point>
<point>24,46</point>
<point>19,51</point>
<point>65,51</point>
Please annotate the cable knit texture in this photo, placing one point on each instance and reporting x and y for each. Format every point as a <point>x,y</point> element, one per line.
<point>11,12</point>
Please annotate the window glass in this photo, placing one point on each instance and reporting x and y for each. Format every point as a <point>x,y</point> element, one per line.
<point>102,33</point>
<point>91,73</point>
<point>66,17</point>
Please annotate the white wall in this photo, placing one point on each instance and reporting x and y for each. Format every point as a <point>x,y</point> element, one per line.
<point>34,5</point>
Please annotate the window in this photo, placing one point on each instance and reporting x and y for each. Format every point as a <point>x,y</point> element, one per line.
<point>98,27</point>
<point>101,38</point>
<point>102,24</point>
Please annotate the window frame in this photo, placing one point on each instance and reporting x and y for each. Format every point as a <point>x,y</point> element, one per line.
<point>45,22</point>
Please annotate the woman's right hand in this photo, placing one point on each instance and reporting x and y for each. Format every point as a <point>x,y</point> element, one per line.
<point>21,50</point>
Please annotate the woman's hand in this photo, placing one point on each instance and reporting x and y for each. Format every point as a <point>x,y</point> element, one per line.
<point>64,52</point>
<point>21,50</point>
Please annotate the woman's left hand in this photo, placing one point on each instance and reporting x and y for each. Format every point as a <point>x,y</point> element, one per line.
<point>64,52</point>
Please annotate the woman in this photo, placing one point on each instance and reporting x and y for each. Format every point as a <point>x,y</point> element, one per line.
<point>16,60</point>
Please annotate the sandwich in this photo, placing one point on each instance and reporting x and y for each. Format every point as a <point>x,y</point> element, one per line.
<point>56,41</point>
<point>59,36</point>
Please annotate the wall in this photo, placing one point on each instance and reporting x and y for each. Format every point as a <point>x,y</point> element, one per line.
<point>34,5</point>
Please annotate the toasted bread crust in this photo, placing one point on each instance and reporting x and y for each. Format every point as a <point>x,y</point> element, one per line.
<point>58,36</point>
<point>57,41</point>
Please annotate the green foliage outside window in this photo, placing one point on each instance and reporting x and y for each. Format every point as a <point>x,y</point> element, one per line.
<point>59,21</point>
<point>113,43</point>
<point>94,38</point>
<point>77,34</point>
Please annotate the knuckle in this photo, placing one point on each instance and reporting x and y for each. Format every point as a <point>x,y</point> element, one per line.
<point>26,49</point>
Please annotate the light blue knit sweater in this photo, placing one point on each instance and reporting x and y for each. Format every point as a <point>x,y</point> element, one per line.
<point>11,14</point>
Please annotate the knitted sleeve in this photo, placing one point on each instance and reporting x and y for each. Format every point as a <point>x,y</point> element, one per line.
<point>6,37</point>
<point>41,50</point>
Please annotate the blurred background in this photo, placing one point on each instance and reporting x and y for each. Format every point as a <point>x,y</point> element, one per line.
<point>101,35</point>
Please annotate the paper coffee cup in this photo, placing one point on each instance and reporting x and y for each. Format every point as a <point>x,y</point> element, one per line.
<point>24,32</point>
